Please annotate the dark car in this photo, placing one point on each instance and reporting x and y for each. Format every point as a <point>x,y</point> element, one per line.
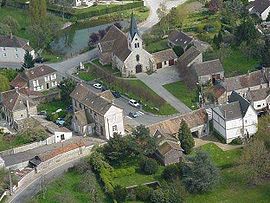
<point>39,59</point>
<point>116,94</point>
<point>133,115</point>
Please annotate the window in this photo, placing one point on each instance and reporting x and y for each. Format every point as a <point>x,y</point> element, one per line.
<point>135,45</point>
<point>137,58</point>
<point>17,55</point>
<point>62,137</point>
<point>165,62</point>
<point>53,76</point>
<point>258,105</point>
<point>4,54</point>
<point>35,83</point>
<point>3,48</point>
<point>138,45</point>
<point>114,128</point>
<point>47,78</point>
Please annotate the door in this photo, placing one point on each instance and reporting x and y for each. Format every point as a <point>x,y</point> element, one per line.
<point>48,86</point>
<point>159,65</point>
<point>171,62</point>
<point>139,68</point>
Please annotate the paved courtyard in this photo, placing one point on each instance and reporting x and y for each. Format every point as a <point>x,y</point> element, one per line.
<point>161,77</point>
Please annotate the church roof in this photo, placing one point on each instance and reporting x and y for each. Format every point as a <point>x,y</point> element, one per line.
<point>133,30</point>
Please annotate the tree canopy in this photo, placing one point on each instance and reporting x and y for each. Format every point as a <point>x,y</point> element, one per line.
<point>186,138</point>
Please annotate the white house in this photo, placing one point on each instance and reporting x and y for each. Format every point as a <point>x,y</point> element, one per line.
<point>236,119</point>
<point>13,49</point>
<point>259,99</point>
<point>95,113</point>
<point>259,7</point>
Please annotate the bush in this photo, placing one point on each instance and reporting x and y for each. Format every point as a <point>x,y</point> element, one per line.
<point>171,172</point>
<point>143,193</point>
<point>149,166</point>
<point>157,196</point>
<point>120,194</point>
<point>237,141</point>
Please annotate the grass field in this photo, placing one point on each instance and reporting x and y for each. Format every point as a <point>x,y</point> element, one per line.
<point>181,92</point>
<point>51,107</point>
<point>157,46</point>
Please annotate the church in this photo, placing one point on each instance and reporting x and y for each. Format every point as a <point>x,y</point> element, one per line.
<point>126,53</point>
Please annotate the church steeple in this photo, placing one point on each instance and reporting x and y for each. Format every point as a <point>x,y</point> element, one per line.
<point>133,30</point>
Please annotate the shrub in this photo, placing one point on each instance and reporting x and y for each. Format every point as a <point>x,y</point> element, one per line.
<point>143,193</point>
<point>149,166</point>
<point>157,196</point>
<point>171,172</point>
<point>237,141</point>
<point>120,194</point>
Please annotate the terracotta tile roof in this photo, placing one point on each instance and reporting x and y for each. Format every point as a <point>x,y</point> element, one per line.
<point>84,95</point>
<point>172,125</point>
<point>258,95</point>
<point>19,82</point>
<point>37,72</point>
<point>164,55</point>
<point>208,67</point>
<point>245,81</point>
<point>218,90</point>
<point>30,93</point>
<point>116,41</point>
<point>13,100</point>
<point>14,41</point>
<point>188,56</point>
<point>179,38</point>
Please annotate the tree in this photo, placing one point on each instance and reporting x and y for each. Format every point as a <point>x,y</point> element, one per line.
<point>93,38</point>
<point>200,174</point>
<point>66,87</point>
<point>149,166</point>
<point>4,83</point>
<point>145,144</point>
<point>28,61</point>
<point>215,5</point>
<point>12,23</point>
<point>143,193</point>
<point>4,29</point>
<point>120,194</point>
<point>266,53</point>
<point>246,31</point>
<point>174,191</point>
<point>42,9</point>
<point>34,11</point>
<point>157,196</point>
<point>171,172</point>
<point>186,138</point>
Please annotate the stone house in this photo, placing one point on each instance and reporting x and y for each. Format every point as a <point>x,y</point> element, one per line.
<point>191,56</point>
<point>164,58</point>
<point>126,53</point>
<point>16,107</point>
<point>235,119</point>
<point>251,81</point>
<point>40,78</point>
<point>178,38</point>
<point>95,114</point>
<point>208,71</point>
<point>259,7</point>
<point>13,49</point>
<point>259,99</point>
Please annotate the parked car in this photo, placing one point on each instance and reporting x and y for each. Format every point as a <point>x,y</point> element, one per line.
<point>97,86</point>
<point>39,59</point>
<point>133,115</point>
<point>116,94</point>
<point>134,103</point>
<point>60,121</point>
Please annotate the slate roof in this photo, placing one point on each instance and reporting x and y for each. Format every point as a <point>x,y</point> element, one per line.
<point>14,41</point>
<point>133,30</point>
<point>188,56</point>
<point>245,81</point>
<point>208,67</point>
<point>13,100</point>
<point>171,126</point>
<point>81,117</point>
<point>84,95</point>
<point>259,6</point>
<point>179,38</point>
<point>164,55</point>
<point>230,111</point>
<point>258,95</point>
<point>115,41</point>
<point>244,104</point>
<point>37,72</point>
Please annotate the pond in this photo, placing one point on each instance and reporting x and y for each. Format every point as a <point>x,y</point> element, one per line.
<point>75,41</point>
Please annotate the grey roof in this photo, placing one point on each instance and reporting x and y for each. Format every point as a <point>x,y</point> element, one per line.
<point>164,55</point>
<point>208,67</point>
<point>179,38</point>
<point>133,30</point>
<point>258,95</point>
<point>97,103</point>
<point>230,111</point>
<point>259,6</point>
<point>244,104</point>
<point>14,41</point>
<point>188,56</point>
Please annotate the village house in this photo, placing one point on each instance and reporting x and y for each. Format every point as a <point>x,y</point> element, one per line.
<point>16,107</point>
<point>259,99</point>
<point>164,58</point>
<point>179,39</point>
<point>40,78</point>
<point>191,56</point>
<point>126,53</point>
<point>251,81</point>
<point>13,49</point>
<point>261,8</point>
<point>95,113</point>
<point>236,119</point>
<point>169,150</point>
<point>215,94</point>
<point>208,71</point>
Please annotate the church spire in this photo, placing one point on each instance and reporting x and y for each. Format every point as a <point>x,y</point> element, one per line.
<point>133,26</point>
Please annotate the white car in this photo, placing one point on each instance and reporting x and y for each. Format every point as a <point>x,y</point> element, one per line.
<point>97,86</point>
<point>134,103</point>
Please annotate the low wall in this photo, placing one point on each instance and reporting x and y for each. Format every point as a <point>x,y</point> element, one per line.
<point>3,195</point>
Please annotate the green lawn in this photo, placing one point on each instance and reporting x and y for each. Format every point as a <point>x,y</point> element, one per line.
<point>233,185</point>
<point>108,68</point>
<point>9,143</point>
<point>181,92</point>
<point>157,46</point>
<point>67,185</point>
<point>237,63</point>
<point>53,106</point>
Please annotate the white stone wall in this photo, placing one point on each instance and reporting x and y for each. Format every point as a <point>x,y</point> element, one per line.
<point>250,122</point>
<point>13,55</point>
<point>57,136</point>
<point>265,13</point>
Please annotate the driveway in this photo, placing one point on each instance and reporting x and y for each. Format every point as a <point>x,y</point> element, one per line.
<point>153,5</point>
<point>162,77</point>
